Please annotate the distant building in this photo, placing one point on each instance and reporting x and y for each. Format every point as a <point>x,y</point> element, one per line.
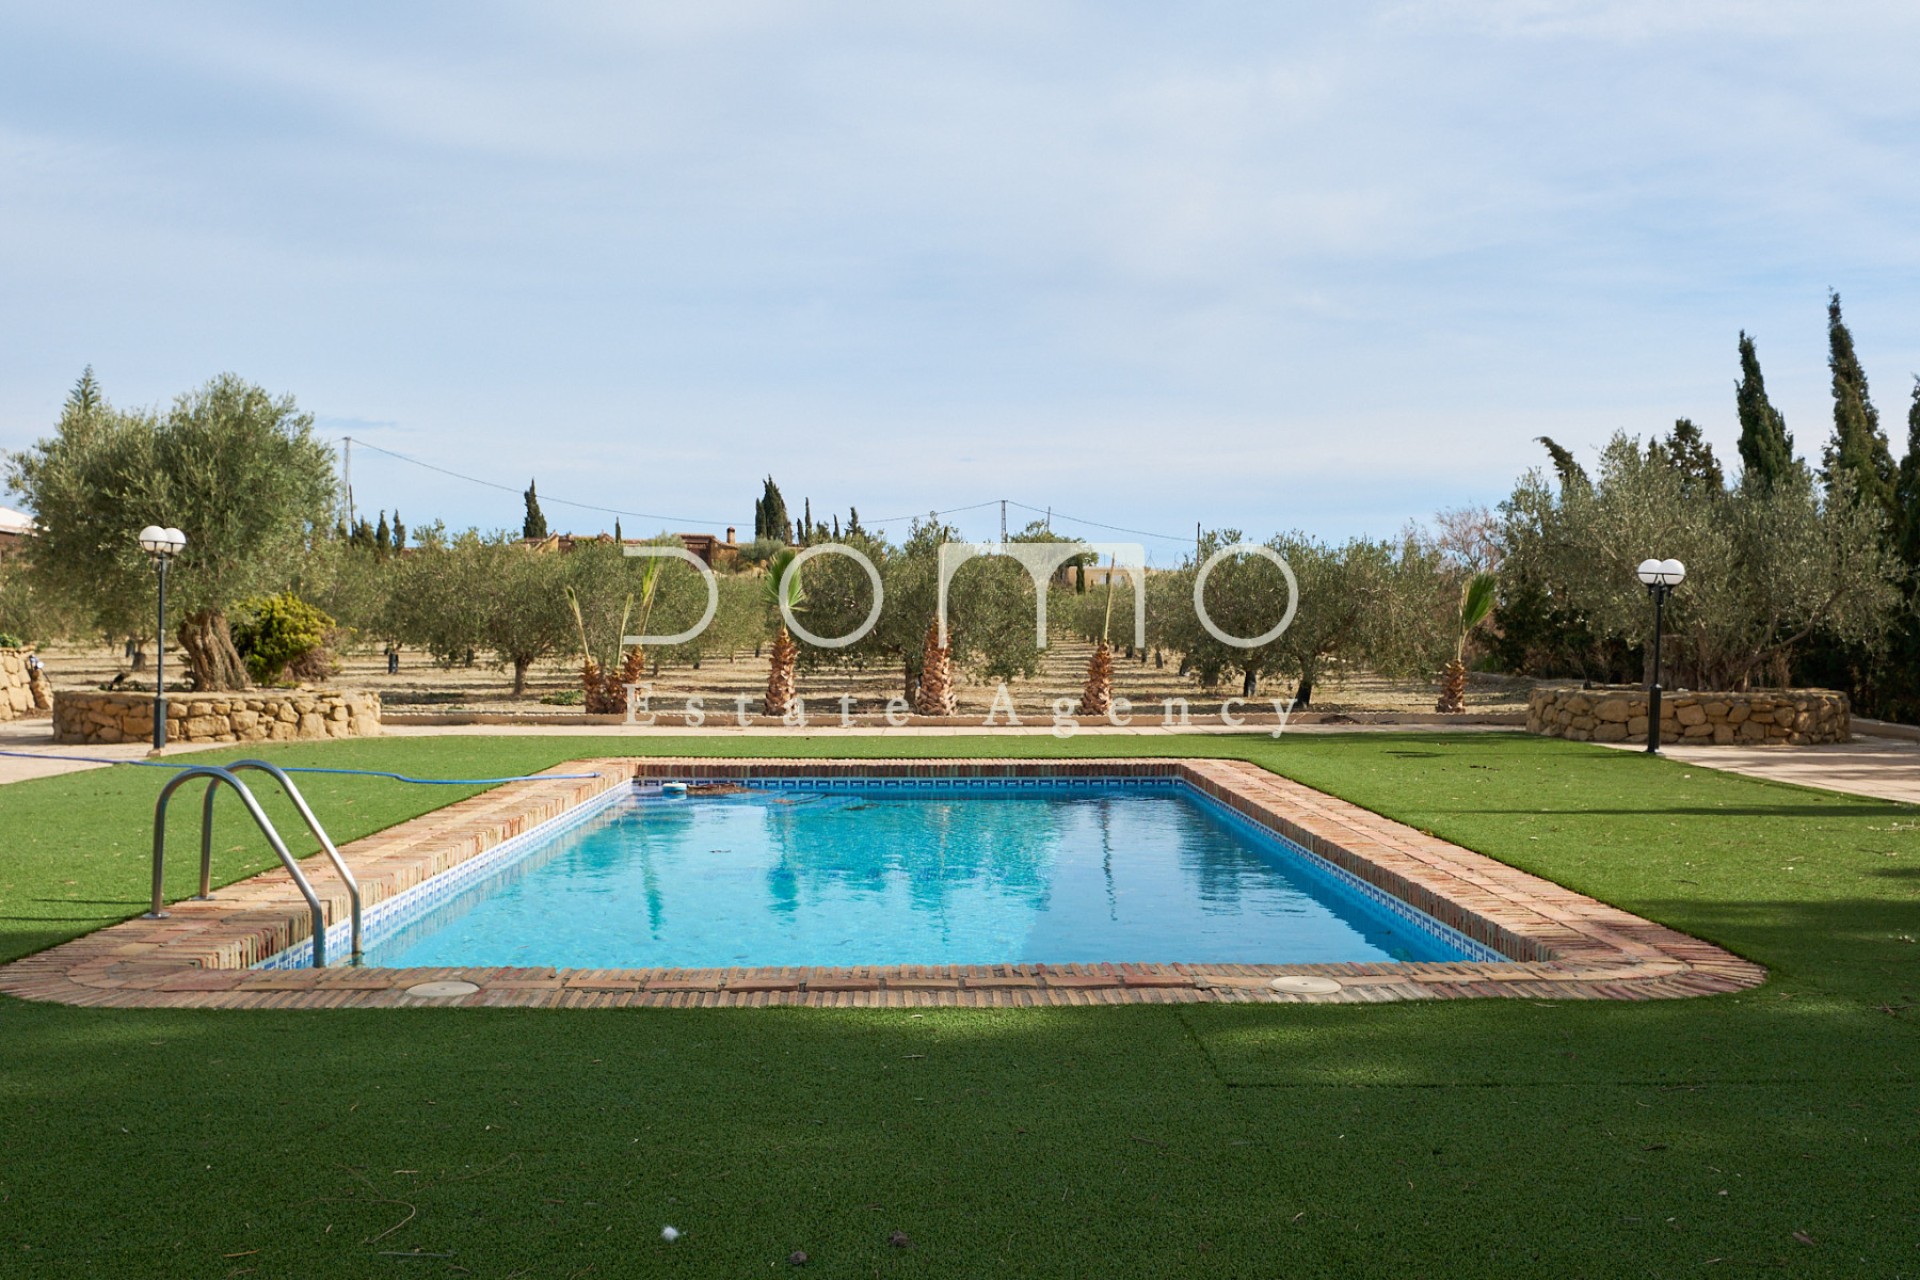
<point>710,549</point>
<point>15,527</point>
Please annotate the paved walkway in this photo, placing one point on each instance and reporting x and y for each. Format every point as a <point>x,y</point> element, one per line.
<point>37,736</point>
<point>1886,768</point>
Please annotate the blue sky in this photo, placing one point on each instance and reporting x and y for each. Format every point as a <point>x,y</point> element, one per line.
<point>1257,265</point>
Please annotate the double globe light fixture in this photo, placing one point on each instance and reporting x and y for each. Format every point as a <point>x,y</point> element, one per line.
<point>161,546</point>
<point>1660,577</point>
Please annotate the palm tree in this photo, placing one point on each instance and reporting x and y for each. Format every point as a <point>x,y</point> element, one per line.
<point>1097,696</point>
<point>604,689</point>
<point>1476,602</point>
<point>786,653</point>
<point>935,697</point>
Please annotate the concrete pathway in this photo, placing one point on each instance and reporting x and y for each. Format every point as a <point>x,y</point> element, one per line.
<point>37,736</point>
<point>1886,768</point>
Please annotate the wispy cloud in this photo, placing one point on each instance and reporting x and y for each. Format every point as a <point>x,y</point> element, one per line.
<point>1249,264</point>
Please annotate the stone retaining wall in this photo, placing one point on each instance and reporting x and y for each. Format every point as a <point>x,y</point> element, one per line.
<point>20,693</point>
<point>1760,717</point>
<point>258,715</point>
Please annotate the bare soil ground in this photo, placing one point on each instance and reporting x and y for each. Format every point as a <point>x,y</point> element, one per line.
<point>423,687</point>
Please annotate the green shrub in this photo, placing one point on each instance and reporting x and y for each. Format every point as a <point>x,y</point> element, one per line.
<point>276,632</point>
<point>761,550</point>
<point>8,640</point>
<point>565,698</point>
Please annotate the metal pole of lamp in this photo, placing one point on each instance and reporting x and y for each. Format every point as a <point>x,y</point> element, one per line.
<point>1660,577</point>
<point>161,546</point>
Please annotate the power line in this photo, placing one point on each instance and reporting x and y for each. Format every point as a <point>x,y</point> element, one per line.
<point>1047,512</point>
<point>504,488</point>
<point>950,511</point>
<point>1053,514</point>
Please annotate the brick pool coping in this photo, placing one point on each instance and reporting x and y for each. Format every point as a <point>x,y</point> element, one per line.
<point>1563,944</point>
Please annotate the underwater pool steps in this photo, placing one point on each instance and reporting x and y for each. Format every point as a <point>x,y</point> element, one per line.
<point>217,775</point>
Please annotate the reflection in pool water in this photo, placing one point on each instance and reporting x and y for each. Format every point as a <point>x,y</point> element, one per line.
<point>852,875</point>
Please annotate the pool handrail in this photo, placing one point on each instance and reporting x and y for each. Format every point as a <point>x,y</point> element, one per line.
<point>219,775</point>
<point>313,824</point>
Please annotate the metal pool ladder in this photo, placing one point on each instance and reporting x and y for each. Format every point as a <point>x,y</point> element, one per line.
<point>216,775</point>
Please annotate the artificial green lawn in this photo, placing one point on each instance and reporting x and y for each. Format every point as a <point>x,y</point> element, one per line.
<point>1774,1130</point>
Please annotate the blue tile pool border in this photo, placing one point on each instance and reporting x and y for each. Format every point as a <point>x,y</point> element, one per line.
<point>395,911</point>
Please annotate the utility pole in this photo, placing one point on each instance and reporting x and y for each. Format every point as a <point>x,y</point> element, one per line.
<point>349,486</point>
<point>1003,522</point>
<point>1049,519</point>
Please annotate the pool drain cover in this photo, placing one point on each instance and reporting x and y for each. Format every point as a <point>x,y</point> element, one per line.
<point>1305,986</point>
<point>440,990</point>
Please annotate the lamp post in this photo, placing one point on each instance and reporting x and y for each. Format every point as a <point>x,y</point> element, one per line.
<point>161,546</point>
<point>1661,577</point>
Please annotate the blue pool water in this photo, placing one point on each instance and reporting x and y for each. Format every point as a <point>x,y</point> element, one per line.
<point>853,874</point>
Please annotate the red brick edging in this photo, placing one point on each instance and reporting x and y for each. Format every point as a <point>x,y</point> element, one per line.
<point>1563,944</point>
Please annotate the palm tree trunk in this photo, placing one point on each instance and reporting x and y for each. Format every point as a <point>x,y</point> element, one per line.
<point>1453,688</point>
<point>935,695</point>
<point>1097,697</point>
<point>780,677</point>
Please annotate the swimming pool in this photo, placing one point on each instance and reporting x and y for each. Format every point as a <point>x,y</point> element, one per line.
<point>848,871</point>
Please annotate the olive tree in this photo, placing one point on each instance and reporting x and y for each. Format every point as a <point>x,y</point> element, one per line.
<point>1768,566</point>
<point>483,593</point>
<point>237,470</point>
<point>1375,602</point>
<point>990,611</point>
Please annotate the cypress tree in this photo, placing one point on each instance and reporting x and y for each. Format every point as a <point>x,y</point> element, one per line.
<point>774,514</point>
<point>1766,449</point>
<point>1572,474</point>
<point>535,525</point>
<point>853,521</point>
<point>399,532</point>
<point>382,534</point>
<point>1858,447</point>
<point>806,520</point>
<point>1907,491</point>
<point>1688,452</point>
